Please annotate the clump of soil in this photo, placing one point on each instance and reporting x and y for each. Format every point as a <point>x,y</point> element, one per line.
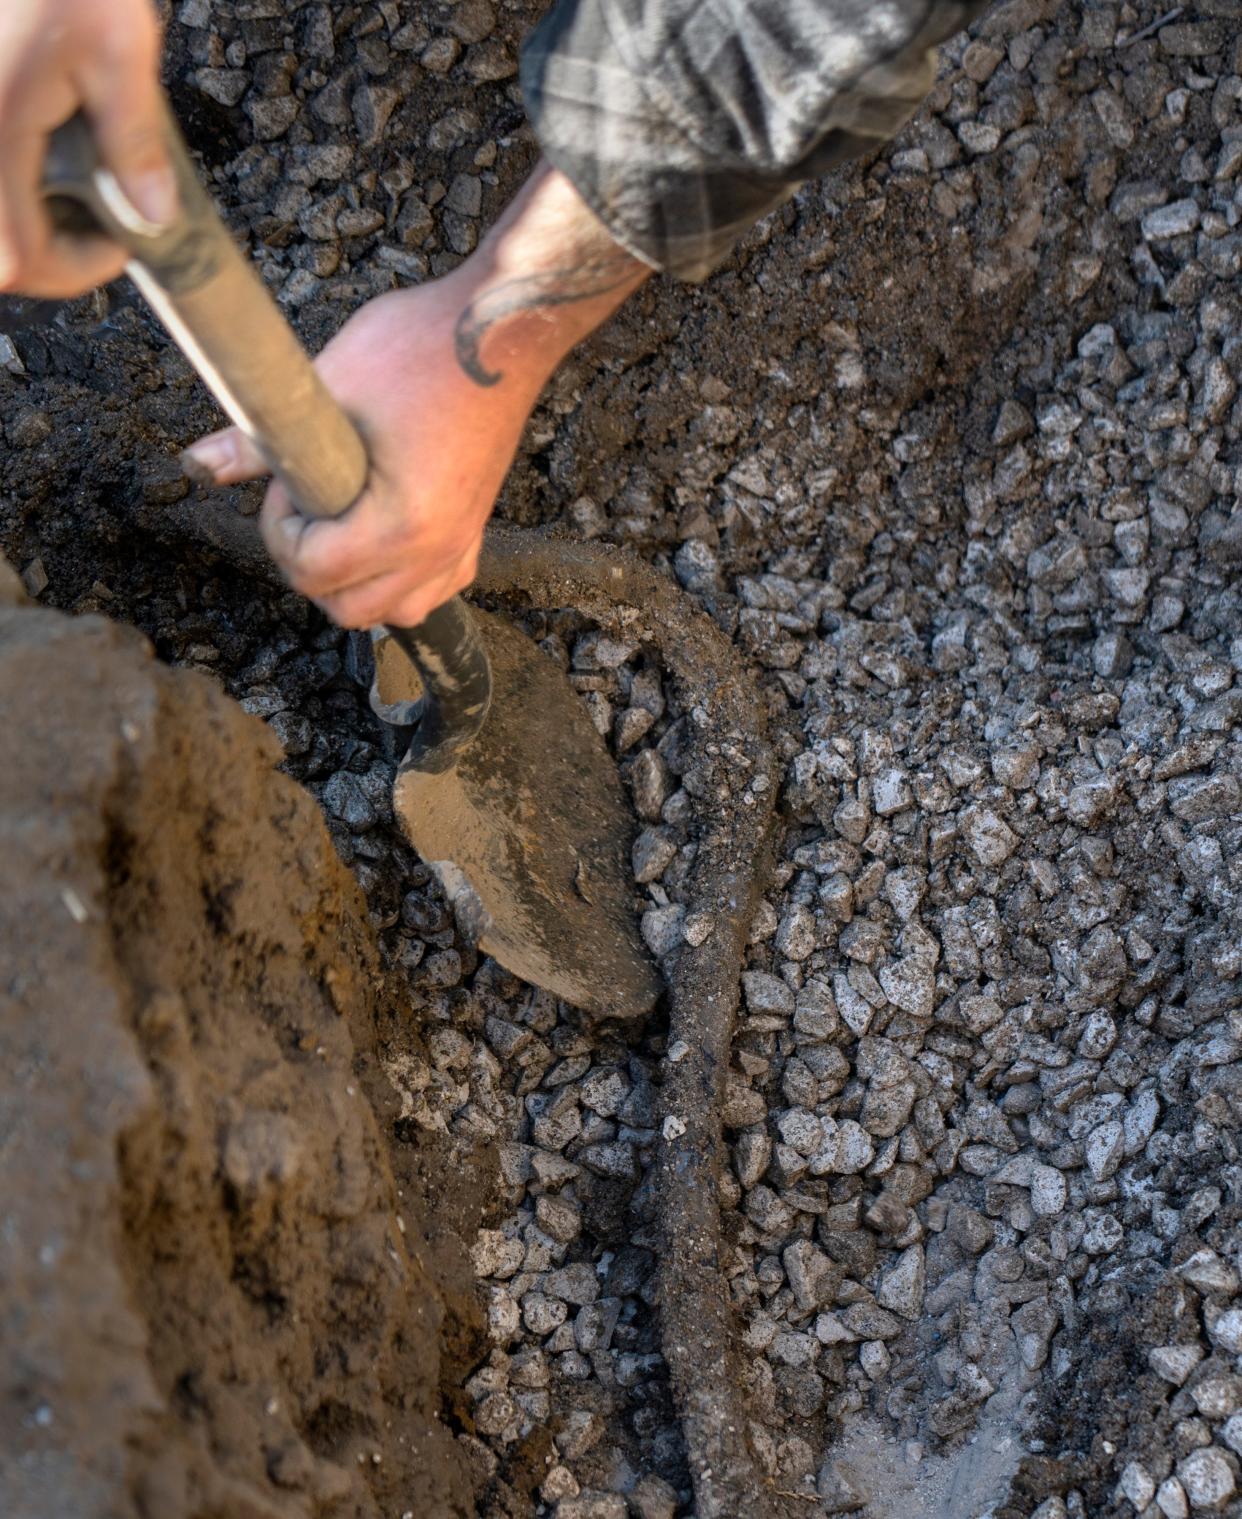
<point>215,1298</point>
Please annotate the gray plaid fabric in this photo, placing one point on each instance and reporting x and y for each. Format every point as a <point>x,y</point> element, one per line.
<point>681,122</point>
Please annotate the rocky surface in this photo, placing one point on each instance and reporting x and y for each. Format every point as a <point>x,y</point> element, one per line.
<point>950,449</point>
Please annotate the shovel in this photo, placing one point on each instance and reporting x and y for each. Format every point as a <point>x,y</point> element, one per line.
<point>506,790</point>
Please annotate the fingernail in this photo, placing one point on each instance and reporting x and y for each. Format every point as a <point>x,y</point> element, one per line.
<point>155,196</point>
<point>204,460</point>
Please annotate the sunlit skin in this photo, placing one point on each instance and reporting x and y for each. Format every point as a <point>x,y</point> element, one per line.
<point>440,379</point>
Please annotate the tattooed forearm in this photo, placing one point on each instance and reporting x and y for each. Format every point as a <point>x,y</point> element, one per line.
<point>600,275</point>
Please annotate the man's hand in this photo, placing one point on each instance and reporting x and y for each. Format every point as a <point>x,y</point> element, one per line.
<point>440,380</point>
<point>439,448</point>
<point>58,57</point>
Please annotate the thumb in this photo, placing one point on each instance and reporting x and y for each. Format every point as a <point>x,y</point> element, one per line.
<point>223,458</point>
<point>121,94</point>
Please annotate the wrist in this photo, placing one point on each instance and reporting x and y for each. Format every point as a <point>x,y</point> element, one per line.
<point>543,279</point>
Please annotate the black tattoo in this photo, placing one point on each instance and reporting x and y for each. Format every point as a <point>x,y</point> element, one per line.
<point>553,287</point>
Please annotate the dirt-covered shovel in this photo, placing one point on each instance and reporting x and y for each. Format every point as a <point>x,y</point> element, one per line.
<point>506,788</point>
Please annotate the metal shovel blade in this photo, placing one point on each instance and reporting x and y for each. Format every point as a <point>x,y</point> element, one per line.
<point>530,832</point>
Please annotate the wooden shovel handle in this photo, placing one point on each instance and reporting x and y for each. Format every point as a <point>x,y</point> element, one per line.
<point>222,316</point>
<point>220,313</point>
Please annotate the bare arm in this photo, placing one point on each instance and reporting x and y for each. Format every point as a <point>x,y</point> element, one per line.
<point>546,276</point>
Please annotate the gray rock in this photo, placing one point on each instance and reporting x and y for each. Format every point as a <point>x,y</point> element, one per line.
<point>1197,798</point>
<point>850,1150</point>
<point>1104,1150</point>
<point>225,86</point>
<point>542,1314</point>
<point>497,1416</point>
<point>801,1130</point>
<point>553,1130</point>
<point>1017,766</point>
<point>910,984</point>
<point>1175,1362</point>
<point>839,1493</point>
<point>577,1284</point>
<point>650,784</point>
<point>868,1321</point>
<point>465,195</point>
<point>662,928</point>
<point>272,118</point>
<point>795,937</point>
<point>792,1348</point>
<point>558,1218</point>
<point>1048,1191</point>
<point>901,1288</point>
<point>496,1254</point>
<point>372,105</point>
<point>991,839</point>
<point>890,792</point>
<point>1173,220</point>
<point>886,1108</point>
<point>813,1276</point>
<point>617,1161</point>
<point>1137,1484</point>
<point>592,1505</point>
<point>595,1324</point>
<point>1209,1273</point>
<point>1171,1499</point>
<point>653,1498</point>
<point>767,994</point>
<point>345,796</point>
<point>1208,1479</point>
<point>653,852</point>
<point>1226,1330</point>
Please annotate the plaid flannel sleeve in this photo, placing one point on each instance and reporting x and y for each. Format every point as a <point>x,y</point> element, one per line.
<point>681,122</point>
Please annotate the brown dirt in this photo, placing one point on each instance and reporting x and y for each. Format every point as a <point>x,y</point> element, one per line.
<point>204,1241</point>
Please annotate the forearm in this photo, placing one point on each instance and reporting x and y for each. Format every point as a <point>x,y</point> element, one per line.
<point>545,277</point>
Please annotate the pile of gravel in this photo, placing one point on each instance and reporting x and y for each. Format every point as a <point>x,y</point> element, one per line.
<point>951,448</point>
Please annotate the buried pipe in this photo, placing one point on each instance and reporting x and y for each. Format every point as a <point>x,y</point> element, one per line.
<point>735,792</point>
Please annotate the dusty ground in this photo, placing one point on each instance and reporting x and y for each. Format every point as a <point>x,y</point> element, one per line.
<point>950,449</point>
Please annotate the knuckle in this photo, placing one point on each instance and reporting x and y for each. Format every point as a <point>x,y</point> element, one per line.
<point>312,578</point>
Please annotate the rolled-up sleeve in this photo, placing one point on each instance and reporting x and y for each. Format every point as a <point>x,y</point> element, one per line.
<point>681,122</point>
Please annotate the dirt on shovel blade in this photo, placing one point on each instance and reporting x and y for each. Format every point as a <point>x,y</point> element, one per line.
<point>531,832</point>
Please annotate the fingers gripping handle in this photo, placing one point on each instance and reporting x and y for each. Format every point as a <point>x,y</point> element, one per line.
<point>220,314</point>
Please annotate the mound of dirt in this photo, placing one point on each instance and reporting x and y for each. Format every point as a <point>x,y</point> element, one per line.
<point>214,1300</point>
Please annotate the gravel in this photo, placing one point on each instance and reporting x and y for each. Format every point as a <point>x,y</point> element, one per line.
<point>982,554</point>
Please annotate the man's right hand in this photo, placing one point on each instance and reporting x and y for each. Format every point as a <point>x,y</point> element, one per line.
<point>58,57</point>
